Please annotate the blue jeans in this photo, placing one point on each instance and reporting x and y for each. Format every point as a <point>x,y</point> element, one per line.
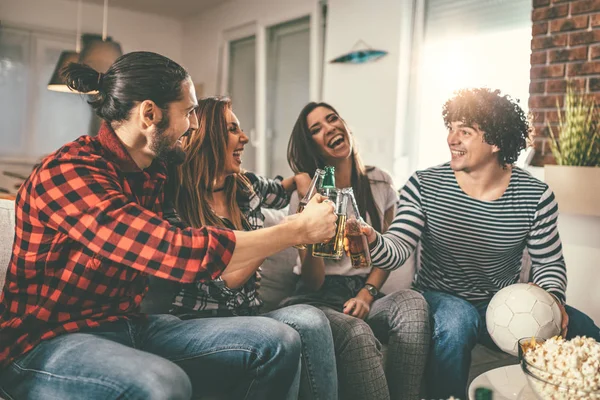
<point>162,357</point>
<point>319,373</point>
<point>457,325</point>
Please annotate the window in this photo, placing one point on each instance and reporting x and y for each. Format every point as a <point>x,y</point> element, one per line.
<point>467,43</point>
<point>35,121</point>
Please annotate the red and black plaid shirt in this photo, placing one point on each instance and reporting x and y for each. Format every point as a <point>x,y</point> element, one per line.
<point>89,230</point>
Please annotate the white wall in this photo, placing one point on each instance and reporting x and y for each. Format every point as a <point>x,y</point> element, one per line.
<point>365,94</point>
<point>133,30</point>
<point>205,32</point>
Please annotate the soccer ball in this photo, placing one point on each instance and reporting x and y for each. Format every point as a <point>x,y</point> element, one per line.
<point>520,311</point>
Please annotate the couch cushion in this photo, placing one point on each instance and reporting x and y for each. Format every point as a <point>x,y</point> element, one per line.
<point>278,279</point>
<point>7,233</point>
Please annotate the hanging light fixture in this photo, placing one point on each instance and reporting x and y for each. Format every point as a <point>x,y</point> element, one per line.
<point>56,83</point>
<point>100,52</point>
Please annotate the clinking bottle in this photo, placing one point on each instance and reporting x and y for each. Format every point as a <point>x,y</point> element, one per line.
<point>357,241</point>
<point>314,187</point>
<point>334,247</point>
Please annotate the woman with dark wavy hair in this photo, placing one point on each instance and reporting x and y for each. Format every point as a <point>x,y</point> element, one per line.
<point>211,189</point>
<point>359,314</point>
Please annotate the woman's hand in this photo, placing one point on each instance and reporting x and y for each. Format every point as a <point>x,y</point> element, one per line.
<point>358,306</point>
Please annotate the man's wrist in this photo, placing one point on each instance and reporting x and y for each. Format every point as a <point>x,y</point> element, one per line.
<point>374,243</point>
<point>555,297</point>
<point>297,228</point>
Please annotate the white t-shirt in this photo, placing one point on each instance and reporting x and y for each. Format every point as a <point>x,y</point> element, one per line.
<point>385,197</point>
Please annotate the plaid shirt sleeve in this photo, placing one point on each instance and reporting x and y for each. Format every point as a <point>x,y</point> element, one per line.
<point>83,198</point>
<point>270,191</point>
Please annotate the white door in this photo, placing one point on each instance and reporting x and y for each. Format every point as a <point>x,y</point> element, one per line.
<point>288,85</point>
<point>242,90</point>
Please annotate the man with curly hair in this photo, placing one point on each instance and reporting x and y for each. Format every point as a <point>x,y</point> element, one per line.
<point>474,217</point>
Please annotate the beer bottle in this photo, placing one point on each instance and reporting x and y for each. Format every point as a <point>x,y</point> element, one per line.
<point>334,247</point>
<point>357,241</point>
<point>314,187</point>
<point>482,393</point>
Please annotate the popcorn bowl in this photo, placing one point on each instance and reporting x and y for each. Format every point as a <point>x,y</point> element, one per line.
<point>527,343</point>
<point>549,386</point>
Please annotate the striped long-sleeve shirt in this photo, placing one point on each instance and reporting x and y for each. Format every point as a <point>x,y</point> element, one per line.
<point>473,248</point>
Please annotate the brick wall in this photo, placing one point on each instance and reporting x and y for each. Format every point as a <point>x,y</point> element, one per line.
<point>565,45</point>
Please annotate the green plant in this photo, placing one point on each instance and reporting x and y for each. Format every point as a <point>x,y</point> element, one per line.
<point>577,140</point>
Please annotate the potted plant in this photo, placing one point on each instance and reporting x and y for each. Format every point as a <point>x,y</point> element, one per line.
<point>575,144</point>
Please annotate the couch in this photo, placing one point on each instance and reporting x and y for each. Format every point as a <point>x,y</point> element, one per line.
<point>278,282</point>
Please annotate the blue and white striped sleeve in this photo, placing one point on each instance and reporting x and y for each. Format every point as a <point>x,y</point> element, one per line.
<point>394,247</point>
<point>545,249</point>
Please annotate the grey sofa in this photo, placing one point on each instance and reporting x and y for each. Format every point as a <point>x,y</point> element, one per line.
<point>278,282</point>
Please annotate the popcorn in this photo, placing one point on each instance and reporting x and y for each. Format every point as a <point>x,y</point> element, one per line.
<point>571,368</point>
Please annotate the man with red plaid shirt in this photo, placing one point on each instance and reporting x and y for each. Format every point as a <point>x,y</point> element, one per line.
<point>89,233</point>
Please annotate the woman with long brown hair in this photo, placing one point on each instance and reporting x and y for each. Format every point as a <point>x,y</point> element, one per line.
<point>359,314</point>
<point>211,189</point>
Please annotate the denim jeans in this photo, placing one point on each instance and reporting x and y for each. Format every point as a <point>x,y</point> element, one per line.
<point>162,357</point>
<point>319,373</point>
<point>457,326</point>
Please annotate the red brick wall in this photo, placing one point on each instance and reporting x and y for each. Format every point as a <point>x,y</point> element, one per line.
<point>565,45</point>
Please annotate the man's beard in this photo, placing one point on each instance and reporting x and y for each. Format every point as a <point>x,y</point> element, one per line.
<point>165,151</point>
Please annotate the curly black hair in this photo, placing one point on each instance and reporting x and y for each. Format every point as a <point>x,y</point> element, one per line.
<point>500,117</point>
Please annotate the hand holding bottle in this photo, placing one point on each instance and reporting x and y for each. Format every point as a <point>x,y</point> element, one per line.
<point>366,230</point>
<point>317,221</point>
<point>369,232</point>
<point>355,241</point>
<point>307,188</point>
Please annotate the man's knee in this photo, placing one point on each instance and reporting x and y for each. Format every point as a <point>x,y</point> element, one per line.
<point>581,324</point>
<point>454,318</point>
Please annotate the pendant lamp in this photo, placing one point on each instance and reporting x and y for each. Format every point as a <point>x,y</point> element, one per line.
<point>100,52</point>
<point>56,83</point>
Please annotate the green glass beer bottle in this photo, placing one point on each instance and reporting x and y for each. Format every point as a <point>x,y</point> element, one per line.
<point>328,184</point>
<point>334,247</point>
<point>482,393</point>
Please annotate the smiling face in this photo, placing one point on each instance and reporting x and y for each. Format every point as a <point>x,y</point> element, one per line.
<point>236,140</point>
<point>177,122</point>
<point>468,149</point>
<point>329,133</point>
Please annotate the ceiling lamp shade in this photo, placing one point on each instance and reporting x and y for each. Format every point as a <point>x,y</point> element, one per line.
<point>56,83</point>
<point>99,54</point>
